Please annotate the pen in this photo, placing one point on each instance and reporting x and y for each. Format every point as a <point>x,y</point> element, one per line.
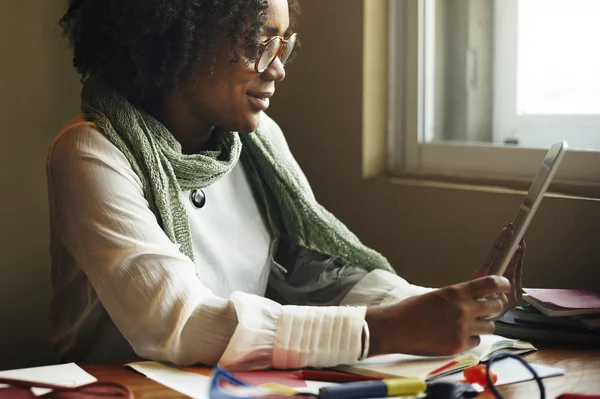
<point>332,376</point>
<point>444,367</point>
<point>577,396</point>
<point>374,389</point>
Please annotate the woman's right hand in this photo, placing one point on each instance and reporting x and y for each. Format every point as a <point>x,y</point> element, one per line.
<point>442,322</point>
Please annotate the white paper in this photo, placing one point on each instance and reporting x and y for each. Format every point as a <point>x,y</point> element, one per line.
<point>67,375</point>
<point>197,386</point>
<point>510,371</point>
<point>193,385</point>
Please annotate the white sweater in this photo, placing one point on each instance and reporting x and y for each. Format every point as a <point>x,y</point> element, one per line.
<point>121,287</point>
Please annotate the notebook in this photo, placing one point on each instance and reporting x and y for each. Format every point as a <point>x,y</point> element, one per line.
<point>554,302</point>
<point>427,367</point>
<point>510,326</point>
<point>531,315</point>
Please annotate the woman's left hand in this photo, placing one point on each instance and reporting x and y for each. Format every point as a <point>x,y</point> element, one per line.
<point>514,270</point>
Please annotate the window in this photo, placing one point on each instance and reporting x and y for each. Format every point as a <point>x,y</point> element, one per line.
<point>481,88</point>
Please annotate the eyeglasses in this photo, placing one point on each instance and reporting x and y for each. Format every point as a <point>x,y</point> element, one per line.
<point>224,385</point>
<point>277,46</point>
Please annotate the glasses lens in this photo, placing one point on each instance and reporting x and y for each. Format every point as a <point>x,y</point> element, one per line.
<point>268,54</point>
<point>289,49</point>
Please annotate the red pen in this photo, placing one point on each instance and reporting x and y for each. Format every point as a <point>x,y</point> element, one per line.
<point>444,367</point>
<point>332,376</point>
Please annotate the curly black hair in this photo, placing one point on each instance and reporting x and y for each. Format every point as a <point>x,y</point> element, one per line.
<point>145,48</point>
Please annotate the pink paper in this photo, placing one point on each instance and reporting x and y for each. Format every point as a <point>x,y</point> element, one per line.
<point>570,299</point>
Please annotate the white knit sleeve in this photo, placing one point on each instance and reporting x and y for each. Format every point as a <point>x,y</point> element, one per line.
<point>151,291</point>
<point>380,287</point>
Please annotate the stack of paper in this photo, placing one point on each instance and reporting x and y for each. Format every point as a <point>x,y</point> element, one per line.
<point>555,315</point>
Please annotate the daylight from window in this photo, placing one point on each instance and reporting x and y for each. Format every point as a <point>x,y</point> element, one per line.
<point>495,84</point>
<point>512,72</point>
<point>558,62</point>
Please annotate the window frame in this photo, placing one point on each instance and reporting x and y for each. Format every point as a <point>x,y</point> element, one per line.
<point>410,155</point>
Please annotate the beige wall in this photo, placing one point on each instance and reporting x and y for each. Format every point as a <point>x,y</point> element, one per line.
<point>38,92</point>
<point>433,235</point>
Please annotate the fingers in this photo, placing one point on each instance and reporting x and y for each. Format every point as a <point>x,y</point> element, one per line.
<point>516,260</point>
<point>484,286</point>
<point>486,308</point>
<point>499,245</point>
<point>518,285</point>
<point>483,327</point>
<point>517,276</point>
<point>477,328</point>
<point>471,343</point>
<point>501,242</point>
<point>504,300</point>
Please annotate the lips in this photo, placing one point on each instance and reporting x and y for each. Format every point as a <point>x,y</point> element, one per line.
<point>260,101</point>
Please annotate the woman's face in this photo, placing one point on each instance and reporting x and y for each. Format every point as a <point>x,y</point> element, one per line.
<point>234,96</point>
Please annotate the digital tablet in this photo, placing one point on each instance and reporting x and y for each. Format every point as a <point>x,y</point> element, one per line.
<point>529,206</point>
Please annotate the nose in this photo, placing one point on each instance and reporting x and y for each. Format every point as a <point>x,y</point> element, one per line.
<point>275,71</point>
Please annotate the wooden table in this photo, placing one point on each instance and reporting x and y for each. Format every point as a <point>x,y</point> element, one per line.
<point>582,366</point>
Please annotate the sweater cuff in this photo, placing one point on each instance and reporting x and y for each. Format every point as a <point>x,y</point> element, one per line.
<point>289,337</point>
<point>251,345</point>
<point>318,336</point>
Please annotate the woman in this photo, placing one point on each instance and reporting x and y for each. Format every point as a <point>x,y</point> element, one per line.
<point>167,227</point>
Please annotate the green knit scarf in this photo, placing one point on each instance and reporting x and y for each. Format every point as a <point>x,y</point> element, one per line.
<point>157,159</point>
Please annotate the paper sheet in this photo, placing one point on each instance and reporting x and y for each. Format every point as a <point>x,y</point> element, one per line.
<point>194,385</point>
<point>195,381</point>
<point>510,371</point>
<point>66,375</point>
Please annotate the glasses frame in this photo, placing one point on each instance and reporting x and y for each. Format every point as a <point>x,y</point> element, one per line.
<point>262,46</point>
<point>242,390</point>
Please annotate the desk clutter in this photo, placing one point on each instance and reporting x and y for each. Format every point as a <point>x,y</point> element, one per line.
<point>554,315</point>
<point>69,381</point>
<point>379,376</point>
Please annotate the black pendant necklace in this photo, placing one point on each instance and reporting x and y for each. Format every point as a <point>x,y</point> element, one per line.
<point>198,198</point>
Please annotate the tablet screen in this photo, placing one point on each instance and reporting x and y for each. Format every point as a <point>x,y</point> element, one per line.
<point>530,204</point>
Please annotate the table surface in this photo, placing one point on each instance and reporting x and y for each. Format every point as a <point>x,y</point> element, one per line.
<point>581,365</point>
